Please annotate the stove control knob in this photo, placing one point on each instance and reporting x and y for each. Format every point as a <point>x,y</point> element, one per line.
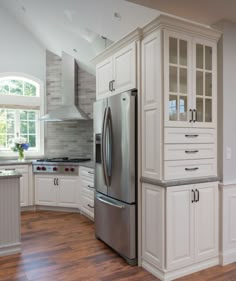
<point>38,168</point>
<point>72,169</point>
<point>54,168</point>
<point>66,169</point>
<point>44,168</point>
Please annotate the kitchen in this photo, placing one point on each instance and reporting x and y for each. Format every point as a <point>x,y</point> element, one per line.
<point>57,194</point>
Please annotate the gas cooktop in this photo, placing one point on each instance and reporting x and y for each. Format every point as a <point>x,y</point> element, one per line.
<point>64,160</point>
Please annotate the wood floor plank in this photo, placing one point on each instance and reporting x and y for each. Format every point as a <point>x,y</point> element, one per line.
<point>60,246</point>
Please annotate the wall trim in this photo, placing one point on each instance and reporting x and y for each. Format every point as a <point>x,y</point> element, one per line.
<point>228,257</point>
<point>10,249</point>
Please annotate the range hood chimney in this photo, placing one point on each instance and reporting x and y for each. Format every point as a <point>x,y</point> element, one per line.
<point>69,110</point>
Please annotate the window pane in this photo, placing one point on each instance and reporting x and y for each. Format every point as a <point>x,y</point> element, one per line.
<point>31,115</point>
<point>16,87</point>
<point>199,56</point>
<point>199,83</point>
<point>29,90</point>
<point>183,52</point>
<point>10,114</point>
<point>173,50</point>
<point>199,109</point>
<point>2,141</point>
<point>32,128</point>
<point>23,115</point>
<point>173,107</point>
<point>23,128</point>
<point>173,79</point>
<point>208,58</point>
<point>208,110</point>
<point>32,141</point>
<point>208,84</point>
<point>183,80</point>
<point>10,127</point>
<point>4,88</point>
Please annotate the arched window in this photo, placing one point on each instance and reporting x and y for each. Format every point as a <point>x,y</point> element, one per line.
<point>21,105</point>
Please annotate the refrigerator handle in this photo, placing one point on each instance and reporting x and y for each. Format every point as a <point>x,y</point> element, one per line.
<point>103,150</point>
<point>109,159</point>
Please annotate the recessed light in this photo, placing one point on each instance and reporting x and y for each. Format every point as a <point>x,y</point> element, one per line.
<point>75,50</point>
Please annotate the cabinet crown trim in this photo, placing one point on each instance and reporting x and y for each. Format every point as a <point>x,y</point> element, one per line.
<point>109,51</point>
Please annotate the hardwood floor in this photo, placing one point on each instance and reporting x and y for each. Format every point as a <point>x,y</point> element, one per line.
<point>61,247</point>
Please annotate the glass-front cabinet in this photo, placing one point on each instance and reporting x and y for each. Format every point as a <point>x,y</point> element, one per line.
<point>189,79</point>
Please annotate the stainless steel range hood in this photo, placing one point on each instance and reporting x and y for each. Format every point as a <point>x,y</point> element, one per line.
<point>69,110</point>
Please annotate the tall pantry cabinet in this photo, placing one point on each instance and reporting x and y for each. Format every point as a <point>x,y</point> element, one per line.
<point>179,156</point>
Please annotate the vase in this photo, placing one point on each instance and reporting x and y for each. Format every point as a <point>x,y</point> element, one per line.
<point>21,155</point>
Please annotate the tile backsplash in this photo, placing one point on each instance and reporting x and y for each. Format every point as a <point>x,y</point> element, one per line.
<point>72,139</point>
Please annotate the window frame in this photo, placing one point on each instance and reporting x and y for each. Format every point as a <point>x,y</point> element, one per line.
<point>25,103</point>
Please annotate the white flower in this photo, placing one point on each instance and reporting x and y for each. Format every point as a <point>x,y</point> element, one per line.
<point>20,140</point>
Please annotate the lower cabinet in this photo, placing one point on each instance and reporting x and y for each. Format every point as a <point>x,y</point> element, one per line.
<point>179,227</point>
<point>56,191</point>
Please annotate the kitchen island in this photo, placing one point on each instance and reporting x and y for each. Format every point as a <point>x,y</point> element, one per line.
<point>9,212</point>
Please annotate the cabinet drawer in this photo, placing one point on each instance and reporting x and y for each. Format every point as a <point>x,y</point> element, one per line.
<point>19,168</point>
<point>89,192</point>
<point>88,206</point>
<point>189,135</point>
<point>189,151</point>
<point>86,173</point>
<point>189,169</point>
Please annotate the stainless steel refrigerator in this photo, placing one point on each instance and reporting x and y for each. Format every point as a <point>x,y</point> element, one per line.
<point>115,173</point>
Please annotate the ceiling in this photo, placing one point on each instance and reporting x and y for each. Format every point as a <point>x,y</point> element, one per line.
<point>204,11</point>
<point>76,26</point>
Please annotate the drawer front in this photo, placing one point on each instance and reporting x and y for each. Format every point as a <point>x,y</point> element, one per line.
<point>189,151</point>
<point>189,169</point>
<point>189,135</point>
<point>88,192</point>
<point>19,168</point>
<point>88,206</point>
<point>86,173</point>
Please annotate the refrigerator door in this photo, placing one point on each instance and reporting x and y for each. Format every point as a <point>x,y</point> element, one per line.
<point>120,141</point>
<point>100,111</point>
<point>115,225</point>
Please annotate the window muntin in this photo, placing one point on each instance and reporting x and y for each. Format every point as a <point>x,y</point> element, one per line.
<point>19,87</point>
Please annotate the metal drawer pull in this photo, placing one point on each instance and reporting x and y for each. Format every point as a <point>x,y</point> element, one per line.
<point>89,186</point>
<point>90,206</point>
<point>110,203</point>
<point>10,169</point>
<point>194,196</point>
<point>198,195</point>
<point>91,173</point>
<point>191,151</point>
<point>191,169</point>
<point>191,136</point>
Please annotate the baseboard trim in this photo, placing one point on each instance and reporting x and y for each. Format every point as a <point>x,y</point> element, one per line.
<point>228,257</point>
<point>57,209</point>
<point>165,275</point>
<point>10,249</point>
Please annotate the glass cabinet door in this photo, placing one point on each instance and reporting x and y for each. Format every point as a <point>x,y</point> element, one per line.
<point>178,79</point>
<point>204,91</point>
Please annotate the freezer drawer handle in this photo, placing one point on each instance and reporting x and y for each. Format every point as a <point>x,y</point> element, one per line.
<point>110,203</point>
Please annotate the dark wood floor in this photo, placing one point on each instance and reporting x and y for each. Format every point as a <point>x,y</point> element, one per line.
<point>61,247</point>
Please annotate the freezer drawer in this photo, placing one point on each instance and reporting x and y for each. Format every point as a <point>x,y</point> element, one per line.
<point>115,225</point>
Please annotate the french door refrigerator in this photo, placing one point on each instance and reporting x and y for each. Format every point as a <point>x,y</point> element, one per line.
<point>115,173</point>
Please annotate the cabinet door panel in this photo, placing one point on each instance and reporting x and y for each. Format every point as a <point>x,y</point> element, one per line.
<point>177,71</point>
<point>153,224</point>
<point>204,83</point>
<point>124,69</point>
<point>103,77</point>
<point>179,227</point>
<point>206,221</point>
<point>24,190</point>
<point>67,192</point>
<point>45,191</point>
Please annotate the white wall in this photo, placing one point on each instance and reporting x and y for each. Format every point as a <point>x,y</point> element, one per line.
<point>227,101</point>
<point>19,50</point>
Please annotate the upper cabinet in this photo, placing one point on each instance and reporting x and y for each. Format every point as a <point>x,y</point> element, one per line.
<point>190,79</point>
<point>116,67</point>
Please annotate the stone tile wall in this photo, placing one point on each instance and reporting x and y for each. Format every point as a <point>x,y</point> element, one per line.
<point>72,139</point>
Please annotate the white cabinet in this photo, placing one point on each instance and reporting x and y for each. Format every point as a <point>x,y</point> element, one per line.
<point>153,242</point>
<point>24,182</point>
<point>179,226</point>
<point>56,191</point>
<point>190,84</point>
<point>87,191</point>
<point>191,224</point>
<point>117,73</point>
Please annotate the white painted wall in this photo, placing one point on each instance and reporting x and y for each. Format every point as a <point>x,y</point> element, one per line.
<point>19,50</point>
<point>227,101</point>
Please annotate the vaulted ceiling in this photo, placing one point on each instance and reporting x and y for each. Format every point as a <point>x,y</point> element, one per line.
<point>78,27</point>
